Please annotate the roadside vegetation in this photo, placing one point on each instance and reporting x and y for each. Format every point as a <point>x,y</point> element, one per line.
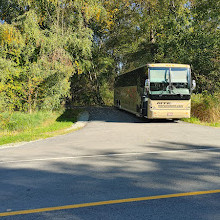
<point>69,51</point>
<point>19,126</point>
<point>205,109</point>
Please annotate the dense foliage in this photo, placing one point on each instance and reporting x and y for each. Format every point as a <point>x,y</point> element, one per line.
<point>52,51</point>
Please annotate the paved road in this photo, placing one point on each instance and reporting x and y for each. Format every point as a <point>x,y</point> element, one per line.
<point>116,156</point>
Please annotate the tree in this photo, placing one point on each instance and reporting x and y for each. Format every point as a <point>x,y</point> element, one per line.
<point>54,49</point>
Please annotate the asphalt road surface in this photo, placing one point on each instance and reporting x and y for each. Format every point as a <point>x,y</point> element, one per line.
<point>151,170</point>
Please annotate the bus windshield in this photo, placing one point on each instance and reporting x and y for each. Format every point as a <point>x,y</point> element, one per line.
<point>165,80</point>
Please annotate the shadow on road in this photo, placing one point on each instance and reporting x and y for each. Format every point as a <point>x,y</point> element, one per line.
<point>111,114</point>
<point>71,181</point>
<point>69,115</point>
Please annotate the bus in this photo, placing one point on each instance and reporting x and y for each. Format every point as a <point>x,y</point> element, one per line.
<point>156,91</point>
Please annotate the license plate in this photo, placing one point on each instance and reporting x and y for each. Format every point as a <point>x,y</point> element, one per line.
<point>169,113</point>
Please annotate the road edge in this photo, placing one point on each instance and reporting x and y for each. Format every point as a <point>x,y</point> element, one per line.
<point>82,121</point>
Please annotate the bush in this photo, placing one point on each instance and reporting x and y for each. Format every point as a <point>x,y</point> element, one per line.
<point>107,94</point>
<point>206,107</point>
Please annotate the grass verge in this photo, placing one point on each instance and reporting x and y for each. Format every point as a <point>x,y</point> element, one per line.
<point>197,121</point>
<point>205,110</point>
<point>20,127</point>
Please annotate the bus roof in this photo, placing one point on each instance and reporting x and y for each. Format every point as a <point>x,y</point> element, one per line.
<point>158,65</point>
<point>168,65</point>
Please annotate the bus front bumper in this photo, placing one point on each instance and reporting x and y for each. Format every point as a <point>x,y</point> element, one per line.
<point>170,114</point>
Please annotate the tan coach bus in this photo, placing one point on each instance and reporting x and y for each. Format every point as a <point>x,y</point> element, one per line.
<point>159,90</point>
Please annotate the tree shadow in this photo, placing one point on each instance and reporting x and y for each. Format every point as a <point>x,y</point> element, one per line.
<point>112,114</point>
<point>175,146</point>
<point>91,179</point>
<point>107,114</point>
<point>69,115</point>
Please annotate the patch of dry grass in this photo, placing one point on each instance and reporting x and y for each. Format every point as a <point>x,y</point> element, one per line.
<point>206,107</point>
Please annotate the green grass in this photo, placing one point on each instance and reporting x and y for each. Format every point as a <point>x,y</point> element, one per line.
<point>26,127</point>
<point>197,121</point>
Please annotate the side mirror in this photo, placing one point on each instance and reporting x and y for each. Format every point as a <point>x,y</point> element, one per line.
<point>193,84</point>
<point>147,84</point>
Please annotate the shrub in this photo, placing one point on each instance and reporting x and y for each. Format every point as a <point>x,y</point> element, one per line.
<point>206,107</point>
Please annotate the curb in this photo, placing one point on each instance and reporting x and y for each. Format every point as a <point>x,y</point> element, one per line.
<point>82,121</point>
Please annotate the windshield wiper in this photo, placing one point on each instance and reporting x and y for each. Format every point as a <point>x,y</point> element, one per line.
<point>162,93</point>
<point>173,87</point>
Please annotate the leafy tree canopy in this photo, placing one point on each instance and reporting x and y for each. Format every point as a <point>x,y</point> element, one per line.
<point>54,49</point>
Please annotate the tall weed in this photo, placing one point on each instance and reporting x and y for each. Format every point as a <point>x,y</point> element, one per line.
<point>19,121</point>
<point>206,107</point>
